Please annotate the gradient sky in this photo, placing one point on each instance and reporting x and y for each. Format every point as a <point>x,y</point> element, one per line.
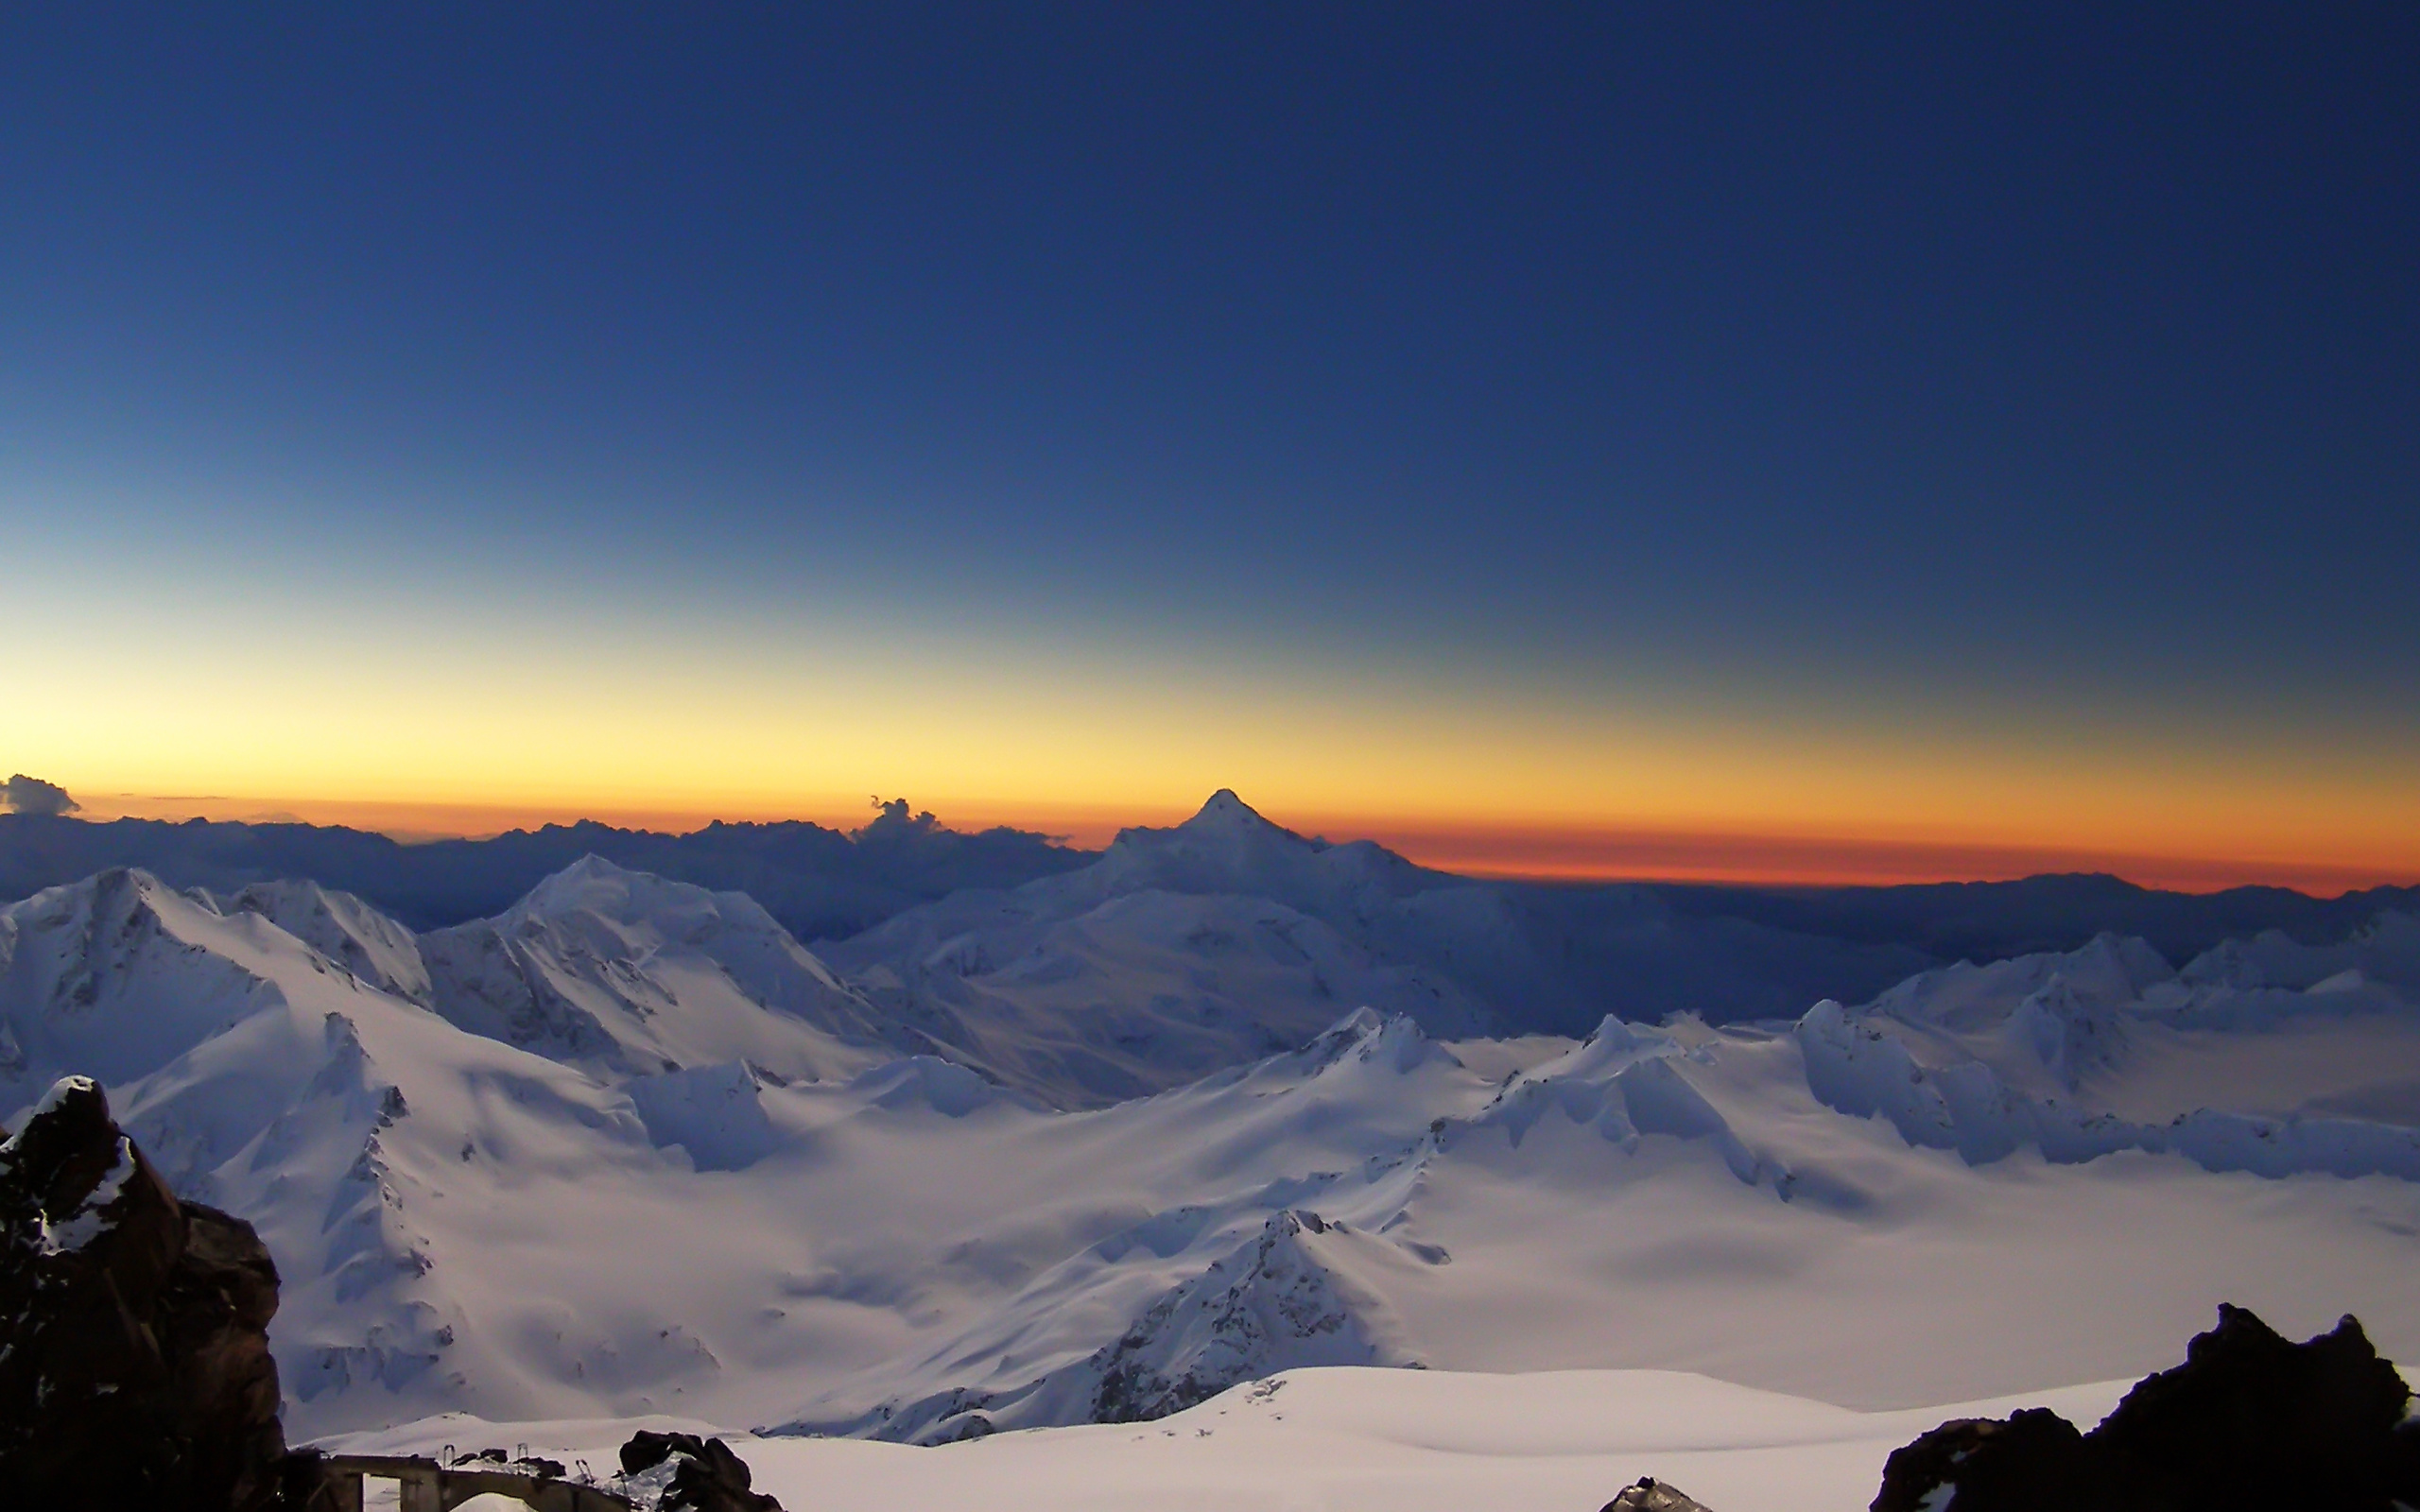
<point>1662,439</point>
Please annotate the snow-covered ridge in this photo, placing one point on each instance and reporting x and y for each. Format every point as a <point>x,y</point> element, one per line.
<point>627,974</point>
<point>628,1149</point>
<point>2060,1054</point>
<point>1622,1083</point>
<point>1226,936</point>
<point>1285,1298</point>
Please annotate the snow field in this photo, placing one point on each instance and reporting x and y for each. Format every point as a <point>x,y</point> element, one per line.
<point>1343,1439</point>
<point>645,1153</point>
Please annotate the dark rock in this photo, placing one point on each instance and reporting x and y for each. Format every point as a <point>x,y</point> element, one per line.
<point>965,1428</point>
<point>2248,1421</point>
<point>134,1363</point>
<point>524,1464</point>
<point>301,1476</point>
<point>2248,1408</point>
<point>708,1478</point>
<point>647,1449</point>
<point>2033,1460</point>
<point>1652,1495</point>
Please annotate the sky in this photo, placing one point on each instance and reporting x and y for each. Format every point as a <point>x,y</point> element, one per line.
<point>1784,443</point>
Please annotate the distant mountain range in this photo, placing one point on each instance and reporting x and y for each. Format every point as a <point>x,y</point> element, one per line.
<point>821,884</point>
<point>1544,956</point>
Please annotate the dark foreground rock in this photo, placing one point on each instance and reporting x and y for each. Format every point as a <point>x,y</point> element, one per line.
<point>2250,1422</point>
<point>706,1476</point>
<point>2035,1459</point>
<point>134,1363</point>
<point>1652,1495</point>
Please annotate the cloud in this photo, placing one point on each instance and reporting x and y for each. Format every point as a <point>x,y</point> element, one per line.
<point>895,821</point>
<point>31,795</point>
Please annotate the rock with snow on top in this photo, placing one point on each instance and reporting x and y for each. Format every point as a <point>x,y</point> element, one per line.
<point>134,1363</point>
<point>1271,1306</point>
<point>683,1472</point>
<point>2248,1423</point>
<point>1652,1495</point>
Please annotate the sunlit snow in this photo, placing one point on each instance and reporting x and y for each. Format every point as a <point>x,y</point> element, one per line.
<point>630,1152</point>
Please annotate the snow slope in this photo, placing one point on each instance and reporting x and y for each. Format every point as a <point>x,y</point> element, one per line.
<point>621,973</point>
<point>342,927</point>
<point>2105,1049</point>
<point>1135,993</point>
<point>396,1163</point>
<point>1346,1440</point>
<point>1218,939</point>
<point>263,1077</point>
<point>1986,1180</point>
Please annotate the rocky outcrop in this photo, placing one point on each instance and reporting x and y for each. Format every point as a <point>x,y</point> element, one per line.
<point>134,1363</point>
<point>2031,1460</point>
<point>2248,1421</point>
<point>682,1473</point>
<point>1272,1305</point>
<point>1652,1495</point>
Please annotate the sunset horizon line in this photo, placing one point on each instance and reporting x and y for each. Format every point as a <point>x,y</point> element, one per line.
<point>1743,855</point>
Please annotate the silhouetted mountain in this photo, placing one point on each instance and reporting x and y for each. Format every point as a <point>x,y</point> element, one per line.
<point>818,883</point>
<point>1991,920</point>
<point>1617,945</point>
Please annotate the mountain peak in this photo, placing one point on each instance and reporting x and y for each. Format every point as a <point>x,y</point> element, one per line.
<point>1226,815</point>
<point>1225,808</point>
<point>594,866</point>
<point>1226,826</point>
<point>592,884</point>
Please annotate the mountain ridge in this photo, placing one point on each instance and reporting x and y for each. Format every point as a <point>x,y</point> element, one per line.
<point>827,884</point>
<point>562,1226</point>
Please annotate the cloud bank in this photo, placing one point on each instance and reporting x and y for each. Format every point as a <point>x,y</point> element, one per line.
<point>31,795</point>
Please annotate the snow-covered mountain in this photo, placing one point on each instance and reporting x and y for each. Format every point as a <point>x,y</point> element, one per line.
<point>1140,991</point>
<point>818,882</point>
<point>261,1076</point>
<point>625,975</point>
<point>629,1149</point>
<point>342,927</point>
<point>1227,935</point>
<point>617,972</point>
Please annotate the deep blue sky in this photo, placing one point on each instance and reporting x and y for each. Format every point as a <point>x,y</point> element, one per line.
<point>2054,360</point>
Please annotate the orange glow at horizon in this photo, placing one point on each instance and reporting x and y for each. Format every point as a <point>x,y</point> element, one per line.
<point>1479,848</point>
<point>413,725</point>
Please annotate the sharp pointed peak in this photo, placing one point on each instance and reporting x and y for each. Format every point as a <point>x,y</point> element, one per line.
<point>1224,803</point>
<point>1224,811</point>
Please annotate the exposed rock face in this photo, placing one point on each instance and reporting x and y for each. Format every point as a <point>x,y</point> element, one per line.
<point>1652,1495</point>
<point>682,1473</point>
<point>2032,1460</point>
<point>134,1363</point>
<point>2248,1421</point>
<point>1273,1305</point>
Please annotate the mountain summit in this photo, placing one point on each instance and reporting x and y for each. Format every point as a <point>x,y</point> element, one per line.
<point>1225,827</point>
<point>1223,810</point>
<point>1229,847</point>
